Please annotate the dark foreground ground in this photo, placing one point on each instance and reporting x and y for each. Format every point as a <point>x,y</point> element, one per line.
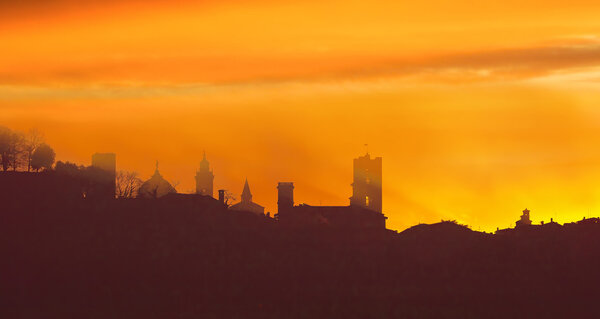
<point>152,259</point>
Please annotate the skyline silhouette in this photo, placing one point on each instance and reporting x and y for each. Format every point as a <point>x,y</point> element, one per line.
<point>470,104</point>
<point>106,182</point>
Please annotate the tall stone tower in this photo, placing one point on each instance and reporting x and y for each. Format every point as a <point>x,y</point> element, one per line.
<point>204,178</point>
<point>366,188</point>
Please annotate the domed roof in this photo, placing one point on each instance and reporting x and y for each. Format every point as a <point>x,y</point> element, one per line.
<point>156,186</point>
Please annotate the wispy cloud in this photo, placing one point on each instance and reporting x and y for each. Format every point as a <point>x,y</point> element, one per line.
<point>575,55</point>
<point>570,56</point>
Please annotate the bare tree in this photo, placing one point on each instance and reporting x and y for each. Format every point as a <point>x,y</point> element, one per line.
<point>11,148</point>
<point>16,149</point>
<point>229,197</point>
<point>127,184</point>
<point>33,139</point>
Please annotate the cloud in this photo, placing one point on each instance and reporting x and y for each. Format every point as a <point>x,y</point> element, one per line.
<point>493,65</point>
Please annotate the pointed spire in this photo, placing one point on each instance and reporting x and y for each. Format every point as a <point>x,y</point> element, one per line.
<point>204,165</point>
<point>246,194</point>
<point>156,169</point>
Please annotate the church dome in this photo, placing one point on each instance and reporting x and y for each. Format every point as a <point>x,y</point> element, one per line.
<point>156,186</point>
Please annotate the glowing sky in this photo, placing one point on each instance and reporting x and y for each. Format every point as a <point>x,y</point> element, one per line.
<point>479,109</point>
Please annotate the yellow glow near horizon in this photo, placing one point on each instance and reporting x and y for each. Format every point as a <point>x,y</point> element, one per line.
<point>479,110</point>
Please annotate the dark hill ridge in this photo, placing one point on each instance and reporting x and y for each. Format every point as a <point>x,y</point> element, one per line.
<point>440,232</point>
<point>191,258</point>
<point>440,242</point>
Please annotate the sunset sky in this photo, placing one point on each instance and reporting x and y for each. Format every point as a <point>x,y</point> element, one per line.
<point>478,108</point>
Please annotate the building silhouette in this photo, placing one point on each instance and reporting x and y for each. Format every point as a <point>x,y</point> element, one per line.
<point>204,178</point>
<point>285,196</point>
<point>103,176</point>
<point>156,186</point>
<point>524,225</point>
<point>364,211</point>
<point>366,186</point>
<point>246,204</point>
<point>524,220</point>
<point>308,216</point>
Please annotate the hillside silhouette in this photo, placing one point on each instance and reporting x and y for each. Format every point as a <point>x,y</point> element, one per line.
<point>187,256</point>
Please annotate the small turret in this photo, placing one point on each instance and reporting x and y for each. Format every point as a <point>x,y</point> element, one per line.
<point>525,220</point>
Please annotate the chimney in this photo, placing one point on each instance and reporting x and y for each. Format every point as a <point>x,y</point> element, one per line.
<point>222,196</point>
<point>285,197</point>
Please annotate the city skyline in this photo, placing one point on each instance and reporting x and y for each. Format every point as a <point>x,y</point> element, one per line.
<point>480,109</point>
<point>366,171</point>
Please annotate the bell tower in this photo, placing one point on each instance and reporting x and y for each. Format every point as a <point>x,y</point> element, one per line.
<point>204,178</point>
<point>366,187</point>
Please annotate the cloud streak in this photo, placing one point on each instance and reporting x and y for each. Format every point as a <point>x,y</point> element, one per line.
<point>493,65</point>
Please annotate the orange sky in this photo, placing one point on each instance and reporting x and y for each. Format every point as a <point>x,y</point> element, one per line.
<point>478,109</point>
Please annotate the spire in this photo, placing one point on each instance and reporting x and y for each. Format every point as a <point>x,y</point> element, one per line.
<point>156,169</point>
<point>204,165</point>
<point>246,195</point>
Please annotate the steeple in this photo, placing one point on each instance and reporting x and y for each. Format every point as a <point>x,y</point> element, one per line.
<point>246,204</point>
<point>246,194</point>
<point>156,172</point>
<point>204,165</point>
<point>204,178</point>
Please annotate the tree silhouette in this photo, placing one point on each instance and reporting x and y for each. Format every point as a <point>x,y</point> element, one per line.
<point>229,197</point>
<point>33,139</point>
<point>16,149</point>
<point>127,184</point>
<point>11,148</point>
<point>42,157</point>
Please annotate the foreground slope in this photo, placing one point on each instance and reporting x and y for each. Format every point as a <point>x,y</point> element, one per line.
<point>178,259</point>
